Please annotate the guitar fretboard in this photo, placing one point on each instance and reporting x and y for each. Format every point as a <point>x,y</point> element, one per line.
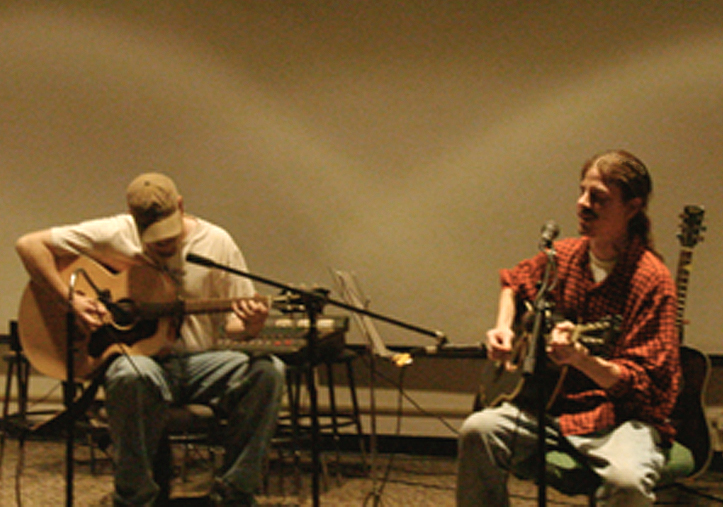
<point>681,282</point>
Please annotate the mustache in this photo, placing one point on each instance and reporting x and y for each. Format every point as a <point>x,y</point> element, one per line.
<point>587,214</point>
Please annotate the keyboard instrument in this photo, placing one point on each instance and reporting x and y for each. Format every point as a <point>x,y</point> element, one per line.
<point>287,337</point>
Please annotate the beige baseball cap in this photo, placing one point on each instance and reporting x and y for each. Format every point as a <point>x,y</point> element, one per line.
<point>153,201</point>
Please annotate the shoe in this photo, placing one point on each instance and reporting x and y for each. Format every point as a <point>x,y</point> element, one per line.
<point>224,495</point>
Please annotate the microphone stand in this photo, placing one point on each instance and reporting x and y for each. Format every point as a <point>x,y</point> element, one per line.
<point>69,391</point>
<point>536,361</point>
<point>313,305</point>
<point>74,407</point>
<point>314,302</point>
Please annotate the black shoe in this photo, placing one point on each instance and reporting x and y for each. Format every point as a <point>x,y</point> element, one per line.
<point>224,495</point>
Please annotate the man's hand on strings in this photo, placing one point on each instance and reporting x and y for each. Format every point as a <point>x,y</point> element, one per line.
<point>561,347</point>
<point>91,313</point>
<point>252,312</point>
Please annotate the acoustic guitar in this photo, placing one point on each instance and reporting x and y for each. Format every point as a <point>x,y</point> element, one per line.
<point>688,416</point>
<point>144,316</point>
<point>506,381</point>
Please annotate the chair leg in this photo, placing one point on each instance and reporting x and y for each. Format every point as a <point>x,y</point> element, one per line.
<point>162,470</point>
<point>356,413</point>
<point>294,382</point>
<point>8,387</point>
<point>18,372</point>
<point>334,418</point>
<point>6,401</point>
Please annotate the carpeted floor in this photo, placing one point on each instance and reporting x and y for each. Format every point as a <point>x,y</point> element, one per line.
<point>36,477</point>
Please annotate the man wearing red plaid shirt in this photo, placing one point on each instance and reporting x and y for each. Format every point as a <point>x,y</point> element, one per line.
<point>613,410</point>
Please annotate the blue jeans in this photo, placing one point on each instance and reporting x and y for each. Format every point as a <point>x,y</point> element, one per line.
<point>627,458</point>
<point>245,391</point>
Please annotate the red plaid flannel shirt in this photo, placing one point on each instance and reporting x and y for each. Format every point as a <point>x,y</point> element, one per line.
<point>641,290</point>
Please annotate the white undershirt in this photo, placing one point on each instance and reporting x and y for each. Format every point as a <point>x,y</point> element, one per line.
<point>600,269</point>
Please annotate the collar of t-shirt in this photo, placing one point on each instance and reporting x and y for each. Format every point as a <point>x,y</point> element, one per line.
<point>600,268</point>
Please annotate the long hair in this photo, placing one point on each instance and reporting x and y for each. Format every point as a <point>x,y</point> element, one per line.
<point>628,172</point>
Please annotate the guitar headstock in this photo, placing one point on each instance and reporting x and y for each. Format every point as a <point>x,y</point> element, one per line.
<point>691,225</point>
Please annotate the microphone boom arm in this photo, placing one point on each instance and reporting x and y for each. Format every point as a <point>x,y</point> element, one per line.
<point>204,261</point>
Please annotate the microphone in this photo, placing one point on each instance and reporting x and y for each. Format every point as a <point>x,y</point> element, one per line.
<point>549,232</point>
<point>448,350</point>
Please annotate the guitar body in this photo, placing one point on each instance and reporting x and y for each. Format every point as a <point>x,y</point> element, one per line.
<point>43,319</point>
<point>506,381</point>
<point>688,416</point>
<point>500,382</point>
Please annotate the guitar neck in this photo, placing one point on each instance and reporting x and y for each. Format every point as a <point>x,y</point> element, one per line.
<point>208,306</point>
<point>681,283</point>
<point>195,306</point>
<point>689,236</point>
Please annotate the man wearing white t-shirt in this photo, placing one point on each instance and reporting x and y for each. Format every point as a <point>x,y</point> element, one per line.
<point>246,392</point>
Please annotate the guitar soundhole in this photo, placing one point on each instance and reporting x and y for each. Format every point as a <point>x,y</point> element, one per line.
<point>124,312</point>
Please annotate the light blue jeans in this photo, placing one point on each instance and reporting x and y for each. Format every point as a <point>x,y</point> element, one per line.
<point>628,458</point>
<point>138,390</point>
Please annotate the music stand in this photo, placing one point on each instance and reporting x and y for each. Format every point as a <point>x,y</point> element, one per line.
<point>353,295</point>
